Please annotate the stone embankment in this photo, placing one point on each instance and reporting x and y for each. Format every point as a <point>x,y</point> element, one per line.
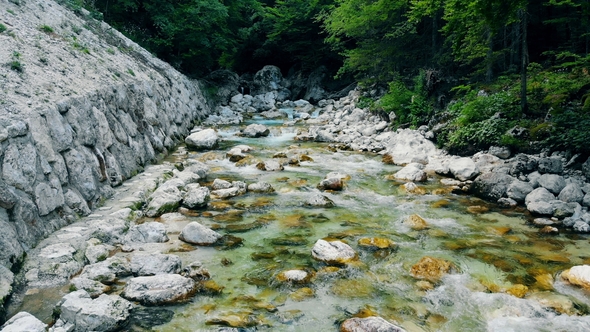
<point>82,108</point>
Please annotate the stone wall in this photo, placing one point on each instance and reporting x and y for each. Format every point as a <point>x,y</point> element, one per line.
<point>82,108</point>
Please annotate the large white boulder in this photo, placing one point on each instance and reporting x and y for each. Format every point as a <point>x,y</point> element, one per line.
<point>206,139</point>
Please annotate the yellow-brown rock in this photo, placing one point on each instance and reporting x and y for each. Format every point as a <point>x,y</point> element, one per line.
<point>518,290</point>
<point>430,268</point>
<point>416,222</point>
<point>477,209</point>
<point>302,294</point>
<point>376,243</point>
<point>578,275</point>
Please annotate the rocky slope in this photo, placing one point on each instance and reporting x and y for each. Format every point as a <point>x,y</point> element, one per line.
<point>82,108</point>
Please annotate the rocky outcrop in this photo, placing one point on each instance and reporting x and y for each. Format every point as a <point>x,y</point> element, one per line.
<point>79,119</point>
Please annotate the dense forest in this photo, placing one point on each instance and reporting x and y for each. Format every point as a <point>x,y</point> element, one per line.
<point>478,72</point>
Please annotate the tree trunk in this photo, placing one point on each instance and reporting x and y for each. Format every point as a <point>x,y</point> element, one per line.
<point>524,60</point>
<point>489,55</point>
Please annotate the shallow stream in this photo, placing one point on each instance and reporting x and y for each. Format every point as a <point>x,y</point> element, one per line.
<point>496,255</point>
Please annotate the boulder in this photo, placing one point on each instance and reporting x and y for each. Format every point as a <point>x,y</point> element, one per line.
<point>196,196</point>
<point>491,186</point>
<point>578,275</point>
<point>581,226</point>
<point>571,193</point>
<point>319,200</point>
<point>153,264</point>
<point>226,84</point>
<point>269,78</point>
<point>148,232</point>
<point>206,139</point>
<point>108,270</point>
<point>23,322</point>
<point>220,184</point>
<point>195,233</point>
<point>552,182</point>
<point>270,165</point>
<point>534,179</point>
<point>463,169</point>
<point>261,187</point>
<point>333,183</point>
<point>333,252</point>
<point>502,152</point>
<point>586,169</point>
<point>96,252</point>
<point>195,271</point>
<point>412,172</point>
<point>518,190</point>
<point>539,201</point>
<point>294,276</point>
<point>159,289</point>
<point>163,201</point>
<point>92,287</point>
<point>80,312</point>
<point>369,324</point>
<point>552,165</point>
<point>235,155</point>
<point>256,130</point>
<point>522,164</point>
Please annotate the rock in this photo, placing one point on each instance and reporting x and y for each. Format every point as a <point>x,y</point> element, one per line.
<point>148,232</point>
<point>463,169</point>
<point>270,165</point>
<point>145,318</point>
<point>376,243</point>
<point>159,289</point>
<point>518,190</point>
<point>256,130</point>
<point>586,200</point>
<point>581,227</point>
<point>108,270</point>
<point>235,155</point>
<point>406,144</point>
<point>23,322</point>
<point>269,78</point>
<point>92,287</point>
<point>225,84</point>
<point>430,268</point>
<point>206,139</point>
<point>534,179</point>
<point>502,152</point>
<point>549,230</point>
<point>163,201</point>
<point>416,222</point>
<point>558,303</point>
<point>552,182</point>
<point>522,164</point>
<point>412,172</point>
<point>491,186</point>
<point>196,196</point>
<point>96,252</point>
<point>295,276</point>
<point>550,165</point>
<point>220,184</point>
<point>261,187</point>
<point>539,201</point>
<point>507,202</point>
<point>571,193</point>
<point>226,193</point>
<point>195,233</point>
<point>586,169</point>
<point>153,264</point>
<point>578,275</point>
<point>334,183</point>
<point>105,313</point>
<point>334,252</point>
<point>413,188</point>
<point>369,324</point>
<point>195,271</point>
<point>319,200</point>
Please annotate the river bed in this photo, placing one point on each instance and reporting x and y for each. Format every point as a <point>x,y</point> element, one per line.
<point>504,274</point>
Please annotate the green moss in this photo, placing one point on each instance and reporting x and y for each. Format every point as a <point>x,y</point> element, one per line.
<point>2,28</point>
<point>16,66</point>
<point>46,29</point>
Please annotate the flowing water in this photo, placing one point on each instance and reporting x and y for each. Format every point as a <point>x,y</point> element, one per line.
<point>494,252</point>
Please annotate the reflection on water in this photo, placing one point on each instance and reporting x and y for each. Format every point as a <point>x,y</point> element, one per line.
<point>502,270</point>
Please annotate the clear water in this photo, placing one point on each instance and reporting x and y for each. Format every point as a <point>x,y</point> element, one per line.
<point>491,251</point>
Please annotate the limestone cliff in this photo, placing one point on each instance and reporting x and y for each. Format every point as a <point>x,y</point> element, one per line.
<point>82,108</point>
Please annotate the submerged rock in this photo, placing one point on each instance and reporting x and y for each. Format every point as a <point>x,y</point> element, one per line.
<point>416,222</point>
<point>159,289</point>
<point>334,252</point>
<point>295,276</point>
<point>270,165</point>
<point>376,243</point>
<point>430,268</point>
<point>369,324</point>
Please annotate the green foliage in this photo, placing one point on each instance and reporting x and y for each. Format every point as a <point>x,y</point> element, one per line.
<point>479,135</point>
<point>569,131</point>
<point>410,106</point>
<point>46,29</point>
<point>130,72</point>
<point>2,28</point>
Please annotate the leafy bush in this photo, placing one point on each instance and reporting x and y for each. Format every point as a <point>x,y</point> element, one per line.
<point>569,131</point>
<point>16,66</point>
<point>478,135</point>
<point>2,28</point>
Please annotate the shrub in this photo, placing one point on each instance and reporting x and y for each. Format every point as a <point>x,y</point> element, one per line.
<point>46,29</point>
<point>16,66</point>
<point>2,28</point>
<point>410,106</point>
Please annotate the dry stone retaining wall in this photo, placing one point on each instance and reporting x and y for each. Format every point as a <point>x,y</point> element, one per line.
<point>88,109</point>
